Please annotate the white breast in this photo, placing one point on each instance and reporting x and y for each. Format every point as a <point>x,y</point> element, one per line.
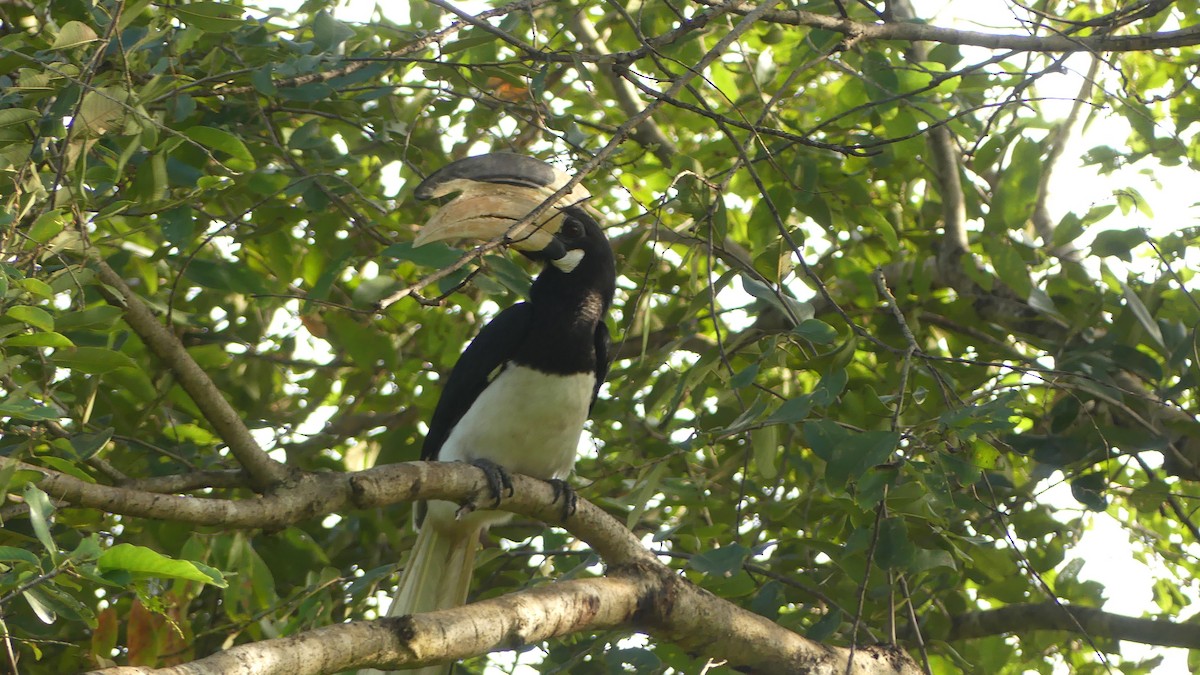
<point>526,421</point>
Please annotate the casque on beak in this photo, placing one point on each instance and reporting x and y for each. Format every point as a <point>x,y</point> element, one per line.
<point>495,192</point>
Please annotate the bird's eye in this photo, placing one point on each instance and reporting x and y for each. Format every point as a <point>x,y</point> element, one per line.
<point>572,229</point>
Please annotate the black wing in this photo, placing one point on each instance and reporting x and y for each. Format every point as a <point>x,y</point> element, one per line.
<point>489,350</point>
<point>602,342</point>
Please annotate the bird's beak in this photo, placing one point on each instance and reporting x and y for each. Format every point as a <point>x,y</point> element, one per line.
<point>495,192</point>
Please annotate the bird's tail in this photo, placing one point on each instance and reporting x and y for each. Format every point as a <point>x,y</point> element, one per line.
<point>437,576</point>
<point>438,573</point>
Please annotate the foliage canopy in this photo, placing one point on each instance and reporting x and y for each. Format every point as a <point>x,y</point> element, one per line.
<point>854,347</point>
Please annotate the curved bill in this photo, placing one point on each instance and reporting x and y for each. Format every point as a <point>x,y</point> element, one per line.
<point>495,192</point>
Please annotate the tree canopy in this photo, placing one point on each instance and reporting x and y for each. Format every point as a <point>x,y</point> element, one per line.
<point>854,343</point>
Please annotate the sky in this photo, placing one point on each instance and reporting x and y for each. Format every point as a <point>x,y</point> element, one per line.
<point>1169,190</point>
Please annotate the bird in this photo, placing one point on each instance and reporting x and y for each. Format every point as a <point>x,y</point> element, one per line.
<point>520,393</point>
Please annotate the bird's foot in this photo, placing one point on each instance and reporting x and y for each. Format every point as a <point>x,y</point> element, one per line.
<point>564,491</point>
<point>497,478</point>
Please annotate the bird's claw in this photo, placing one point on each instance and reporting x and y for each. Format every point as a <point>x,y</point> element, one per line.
<point>464,510</point>
<point>497,479</point>
<point>564,491</point>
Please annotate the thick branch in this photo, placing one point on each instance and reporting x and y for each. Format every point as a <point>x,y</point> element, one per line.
<point>314,495</point>
<point>919,32</point>
<point>264,471</point>
<point>1095,622</point>
<point>499,623</point>
<point>647,597</point>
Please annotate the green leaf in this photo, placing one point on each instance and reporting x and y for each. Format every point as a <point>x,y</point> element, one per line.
<point>826,627</point>
<point>210,17</point>
<point>436,255</point>
<point>26,409</point>
<point>467,39</point>
<point>1089,490</point>
<point>831,386</point>
<point>765,443</point>
<point>848,455</point>
<point>87,445</point>
<point>87,550</point>
<point>47,226</point>
<point>815,331</point>
<point>103,110</point>
<point>1142,313</point>
<point>179,226</point>
<point>649,486</point>
<point>639,659</point>
<point>786,304</point>
<point>31,316</point>
<point>1117,243</point>
<point>223,141</point>
<point>1010,267</point>
<point>768,600</point>
<point>40,606</point>
<point>92,360</point>
<point>720,562</point>
<point>13,554</point>
<point>989,416</point>
<point>144,562</point>
<point>224,276</point>
<point>37,287</point>
<point>73,34</point>
<point>62,604</point>
<point>308,93</point>
<point>12,116</point>
<point>894,550</point>
<point>883,227</point>
<point>64,466</point>
<point>101,317</point>
<point>744,377</point>
<point>262,81</point>
<point>926,559</point>
<point>792,411</point>
<point>328,32</point>
<point>41,511</point>
<point>49,339</point>
<point>511,275</point>
<point>190,433</point>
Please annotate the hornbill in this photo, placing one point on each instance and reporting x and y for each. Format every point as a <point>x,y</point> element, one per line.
<point>520,393</point>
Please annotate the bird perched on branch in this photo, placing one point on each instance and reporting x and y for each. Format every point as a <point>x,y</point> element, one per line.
<point>520,393</point>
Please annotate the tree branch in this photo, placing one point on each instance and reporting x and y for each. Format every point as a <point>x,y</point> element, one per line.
<point>647,596</point>
<point>919,32</point>
<point>648,133</point>
<point>1040,216</point>
<point>1070,618</point>
<point>264,471</point>
<point>944,155</point>
<point>316,494</point>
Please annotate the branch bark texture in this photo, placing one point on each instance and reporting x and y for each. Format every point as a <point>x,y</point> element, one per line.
<point>646,596</point>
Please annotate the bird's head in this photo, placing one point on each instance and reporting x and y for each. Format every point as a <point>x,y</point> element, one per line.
<point>497,191</point>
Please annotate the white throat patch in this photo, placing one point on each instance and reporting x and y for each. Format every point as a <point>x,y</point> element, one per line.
<point>570,261</point>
